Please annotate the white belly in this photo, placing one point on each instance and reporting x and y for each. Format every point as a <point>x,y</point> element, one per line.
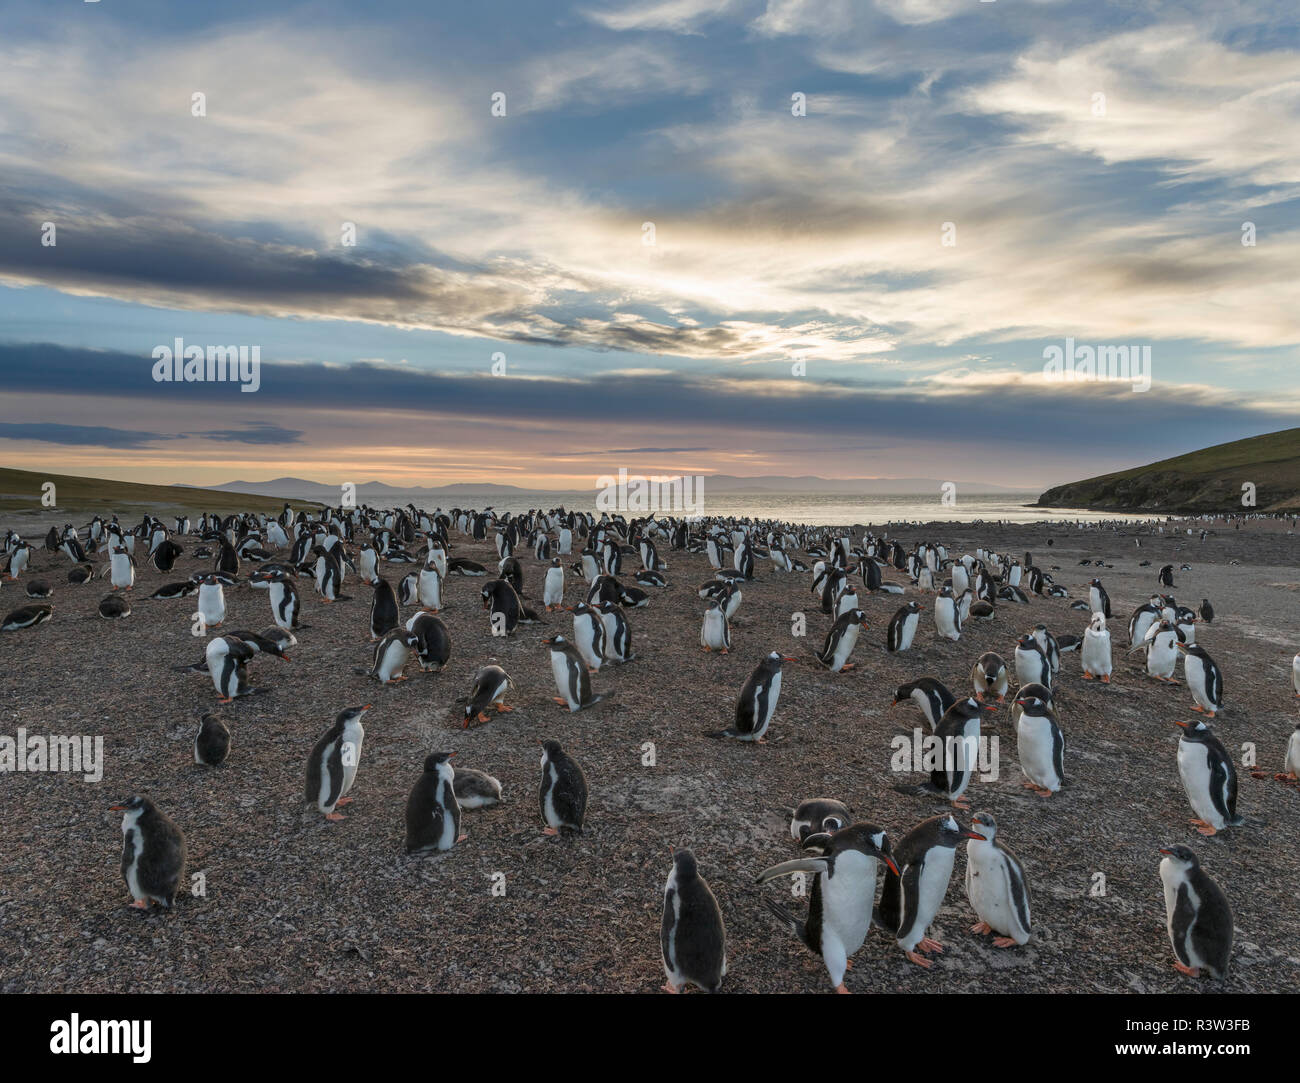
<point>560,671</point>
<point>1034,747</point>
<point>1096,653</point>
<point>429,590</point>
<point>1194,769</point>
<point>932,888</point>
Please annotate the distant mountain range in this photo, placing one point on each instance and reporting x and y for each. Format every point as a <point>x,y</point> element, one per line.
<point>1209,480</point>
<point>303,489</point>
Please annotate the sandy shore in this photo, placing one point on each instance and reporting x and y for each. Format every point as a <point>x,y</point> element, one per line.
<point>297,904</point>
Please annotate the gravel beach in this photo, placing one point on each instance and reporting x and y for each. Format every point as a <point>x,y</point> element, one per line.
<point>294,903</point>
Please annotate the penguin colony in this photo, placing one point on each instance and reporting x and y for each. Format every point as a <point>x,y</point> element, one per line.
<point>574,558</point>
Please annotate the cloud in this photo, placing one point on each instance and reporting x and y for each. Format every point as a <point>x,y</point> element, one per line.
<point>254,432</point>
<point>81,435</point>
<point>678,16</point>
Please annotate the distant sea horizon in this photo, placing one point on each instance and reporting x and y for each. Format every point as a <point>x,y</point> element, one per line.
<point>812,508</point>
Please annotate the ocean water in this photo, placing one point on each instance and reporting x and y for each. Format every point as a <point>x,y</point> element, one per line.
<point>811,508</point>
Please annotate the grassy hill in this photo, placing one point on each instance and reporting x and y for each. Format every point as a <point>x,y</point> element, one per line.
<point>20,491</point>
<point>1208,480</point>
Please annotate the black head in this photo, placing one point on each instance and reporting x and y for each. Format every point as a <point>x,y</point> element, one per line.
<point>1195,731</point>
<point>983,823</point>
<point>435,759</point>
<point>1183,854</point>
<point>684,863</point>
<point>553,749</point>
<point>1031,704</point>
<point>912,607</point>
<point>951,832</point>
<point>1027,642</point>
<point>133,803</point>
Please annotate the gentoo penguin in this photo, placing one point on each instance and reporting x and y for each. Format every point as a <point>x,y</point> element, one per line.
<point>1095,653</point>
<point>947,619</point>
<point>989,676</point>
<point>27,616</point>
<point>571,673</point>
<point>1098,598</point>
<point>1209,778</point>
<point>82,573</point>
<point>818,815</point>
<point>1207,610</point>
<point>983,611</point>
<point>490,686</point>
<point>332,765</point>
<point>902,627</point>
<point>1051,649</point>
<point>911,898</point>
<point>757,702</point>
<point>432,811</point>
<point>1197,914</point>
<point>1040,745</point>
<point>563,793</point>
<point>121,569</point>
<point>153,853</point>
<point>1204,679</point>
<point>928,693</point>
<point>843,892</point>
<point>475,789</point>
<point>168,591</point>
<point>692,937</point>
<point>503,606</point>
<point>1295,674</point>
<point>432,641</point>
<point>841,640</point>
<point>553,585</point>
<point>1291,768</point>
<point>1162,652</point>
<point>227,658</point>
<point>114,607</point>
<point>1031,662</point>
<point>212,742</point>
<point>39,588</point>
<point>618,633</point>
<point>1167,576</point>
<point>408,589</point>
<point>383,608</point>
<point>283,596</point>
<point>715,632</point>
<point>958,732</point>
<point>428,586</point>
<point>391,655</point>
<point>212,602</point>
<point>589,635</point>
<point>996,886</point>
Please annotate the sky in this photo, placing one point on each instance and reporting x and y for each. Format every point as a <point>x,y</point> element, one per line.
<point>536,242</point>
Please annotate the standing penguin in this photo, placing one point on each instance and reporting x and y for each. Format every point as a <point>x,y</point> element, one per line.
<point>843,892</point>
<point>989,676</point>
<point>121,568</point>
<point>618,632</point>
<point>841,640</point>
<point>757,702</point>
<point>1204,678</point>
<point>432,641</point>
<point>432,811</point>
<point>153,853</point>
<point>563,793</point>
<point>1098,598</point>
<point>212,601</point>
<point>947,618</point>
<point>227,658</point>
<point>715,633</point>
<point>928,693</point>
<point>958,734</point>
<point>911,898</point>
<point>1209,778</point>
<point>902,627</point>
<point>572,676</point>
<point>383,609</point>
<point>692,936</point>
<point>332,765</point>
<point>1162,654</point>
<point>490,686</point>
<point>1197,914</point>
<point>589,635</point>
<point>212,742</point>
<point>553,585</point>
<point>1040,745</point>
<point>1095,653</point>
<point>1031,663</point>
<point>1207,610</point>
<point>284,600</point>
<point>996,886</point>
<point>1167,576</point>
<point>391,655</point>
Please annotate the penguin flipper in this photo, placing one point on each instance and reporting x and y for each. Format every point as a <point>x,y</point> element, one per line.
<point>801,864</point>
<point>793,924</point>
